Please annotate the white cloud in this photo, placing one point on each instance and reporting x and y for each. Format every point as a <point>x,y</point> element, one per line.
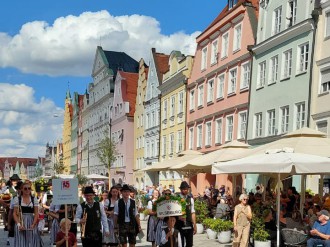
<point>27,125</point>
<point>67,47</point>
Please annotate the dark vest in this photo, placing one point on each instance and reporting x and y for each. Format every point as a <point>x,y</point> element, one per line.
<point>121,212</point>
<point>174,236</point>
<point>26,209</point>
<point>71,209</point>
<point>12,191</point>
<point>93,223</point>
<point>188,209</point>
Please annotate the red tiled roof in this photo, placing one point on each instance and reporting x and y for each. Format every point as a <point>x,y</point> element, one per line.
<point>131,90</point>
<point>161,63</point>
<point>13,160</point>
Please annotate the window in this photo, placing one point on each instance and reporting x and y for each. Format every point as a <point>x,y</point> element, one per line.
<point>165,109</point>
<point>164,146</point>
<point>277,19</point>
<point>204,58</point>
<point>231,3</point>
<point>237,37</point>
<point>287,64</point>
<point>300,115</point>
<point>229,128</point>
<point>242,125</point>
<point>191,138</point>
<point>303,57</point>
<point>180,143</point>
<point>245,77</point>
<point>200,95</point>
<point>140,99</point>
<point>141,120</point>
<point>322,126</point>
<point>284,119</point>
<point>172,105</point>
<point>192,100</point>
<point>262,75</point>
<point>147,121</point>
<point>214,52</point>
<point>210,90</point>
<point>224,47</point>
<point>138,122</point>
<point>218,131</point>
<point>273,69</point>
<point>220,86</point>
<point>208,134</point>
<point>292,17</point>
<point>171,143</point>
<point>325,81</point>
<point>199,136</point>
<point>232,81</point>
<point>147,150</point>
<point>327,24</point>
<point>258,124</point>
<point>180,96</point>
<point>271,122</point>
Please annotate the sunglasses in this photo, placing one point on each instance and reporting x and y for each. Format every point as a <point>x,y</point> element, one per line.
<point>167,194</point>
<point>26,188</point>
<point>245,199</point>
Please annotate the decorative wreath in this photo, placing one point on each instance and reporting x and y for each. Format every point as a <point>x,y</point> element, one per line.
<point>182,201</point>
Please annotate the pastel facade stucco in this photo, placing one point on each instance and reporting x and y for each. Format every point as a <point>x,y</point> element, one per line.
<point>138,175</point>
<point>66,135</point>
<point>74,133</point>
<point>173,114</point>
<point>218,90</point>
<point>85,136</point>
<point>122,127</point>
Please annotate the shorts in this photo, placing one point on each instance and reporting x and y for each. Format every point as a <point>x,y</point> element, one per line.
<point>127,231</point>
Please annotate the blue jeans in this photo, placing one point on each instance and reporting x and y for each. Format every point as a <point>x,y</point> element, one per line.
<point>313,242</point>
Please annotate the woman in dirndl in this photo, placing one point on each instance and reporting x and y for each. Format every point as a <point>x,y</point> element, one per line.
<point>55,222</point>
<point>26,218</point>
<point>152,221</point>
<point>113,196</point>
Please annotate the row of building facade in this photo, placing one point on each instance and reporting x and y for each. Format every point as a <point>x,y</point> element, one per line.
<point>261,69</point>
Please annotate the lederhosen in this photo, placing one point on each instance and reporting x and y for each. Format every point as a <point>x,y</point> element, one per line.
<point>93,235</point>
<point>61,216</point>
<point>127,228</point>
<point>174,237</point>
<point>186,227</point>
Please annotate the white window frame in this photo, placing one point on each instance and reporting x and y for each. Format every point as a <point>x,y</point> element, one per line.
<point>191,138</point>
<point>218,130</point>
<point>325,81</point>
<point>208,133</point>
<point>171,146</point>
<point>200,100</point>
<point>303,57</point>
<point>327,24</point>
<point>165,109</point>
<point>242,122</point>
<point>258,124</point>
<point>261,74</point>
<point>181,100</point>
<point>232,81</point>
<point>245,75</point>
<point>221,86</point>
<point>172,105</point>
<point>277,20</point>
<point>214,51</point>
<point>179,141</point>
<point>292,13</point>
<point>229,128</point>
<point>300,115</point>
<point>237,37</point>
<point>273,70</point>
<point>271,122</point>
<point>192,100</point>
<point>284,119</point>
<point>199,136</point>
<point>224,45</point>
<point>210,90</point>
<point>204,58</point>
<point>164,145</point>
<point>287,64</point>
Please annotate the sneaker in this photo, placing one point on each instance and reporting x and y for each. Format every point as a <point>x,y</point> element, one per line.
<point>8,242</point>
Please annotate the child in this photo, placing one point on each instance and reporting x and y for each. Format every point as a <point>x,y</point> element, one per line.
<point>170,236</point>
<point>61,238</point>
<point>41,223</point>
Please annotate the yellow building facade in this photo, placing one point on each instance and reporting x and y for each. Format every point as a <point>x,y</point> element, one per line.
<point>173,114</point>
<point>138,175</point>
<point>66,136</point>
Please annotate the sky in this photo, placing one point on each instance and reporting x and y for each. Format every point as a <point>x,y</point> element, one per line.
<point>48,47</point>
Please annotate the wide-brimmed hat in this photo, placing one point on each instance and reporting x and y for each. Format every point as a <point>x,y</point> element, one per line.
<point>14,177</point>
<point>125,188</point>
<point>323,212</point>
<point>184,185</point>
<point>88,190</point>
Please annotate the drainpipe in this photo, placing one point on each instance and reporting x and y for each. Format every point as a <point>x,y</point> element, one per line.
<point>315,18</point>
<point>249,48</point>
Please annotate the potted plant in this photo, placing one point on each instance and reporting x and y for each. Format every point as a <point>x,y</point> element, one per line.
<point>260,235</point>
<point>224,228</point>
<point>201,212</point>
<point>210,225</point>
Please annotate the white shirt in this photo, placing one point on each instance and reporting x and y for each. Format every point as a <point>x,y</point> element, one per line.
<point>30,204</point>
<point>164,241</point>
<point>127,205</point>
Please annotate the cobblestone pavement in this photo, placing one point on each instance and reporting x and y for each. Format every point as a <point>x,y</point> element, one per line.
<point>199,239</point>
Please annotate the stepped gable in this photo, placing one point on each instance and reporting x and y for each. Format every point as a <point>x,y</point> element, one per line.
<point>121,61</point>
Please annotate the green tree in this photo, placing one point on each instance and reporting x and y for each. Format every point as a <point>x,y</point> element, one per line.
<point>107,152</point>
<point>59,167</point>
<point>82,179</point>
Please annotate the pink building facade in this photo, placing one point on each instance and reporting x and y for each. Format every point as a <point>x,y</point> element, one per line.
<point>218,90</point>
<point>122,126</point>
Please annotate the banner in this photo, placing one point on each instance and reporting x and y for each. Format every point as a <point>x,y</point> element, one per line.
<point>169,208</point>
